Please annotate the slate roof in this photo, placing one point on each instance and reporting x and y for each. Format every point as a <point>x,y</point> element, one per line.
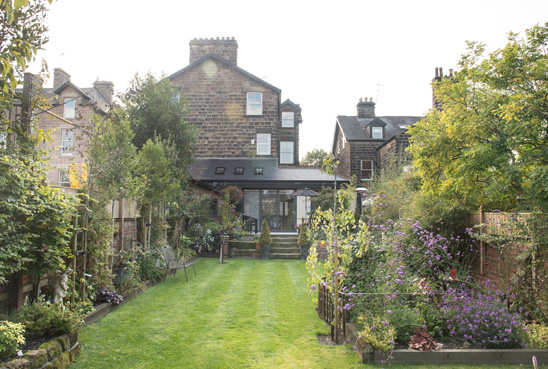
<point>203,169</point>
<point>229,64</point>
<point>354,128</point>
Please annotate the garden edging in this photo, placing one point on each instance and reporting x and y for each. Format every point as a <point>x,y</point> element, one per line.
<point>56,353</point>
<point>450,356</point>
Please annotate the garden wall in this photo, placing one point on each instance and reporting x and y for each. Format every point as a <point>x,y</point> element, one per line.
<point>56,353</point>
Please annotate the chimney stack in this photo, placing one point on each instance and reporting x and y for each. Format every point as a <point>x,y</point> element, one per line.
<point>106,89</point>
<point>366,109</point>
<point>60,77</point>
<point>226,48</point>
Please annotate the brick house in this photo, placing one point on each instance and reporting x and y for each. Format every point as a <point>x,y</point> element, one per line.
<point>71,108</point>
<point>247,136</point>
<point>365,143</point>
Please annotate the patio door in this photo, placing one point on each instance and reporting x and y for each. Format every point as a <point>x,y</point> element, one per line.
<point>278,208</point>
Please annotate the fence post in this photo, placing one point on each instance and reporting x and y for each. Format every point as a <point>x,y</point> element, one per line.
<point>482,244</point>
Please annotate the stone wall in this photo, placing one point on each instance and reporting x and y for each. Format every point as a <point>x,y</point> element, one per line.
<point>56,353</point>
<point>217,98</point>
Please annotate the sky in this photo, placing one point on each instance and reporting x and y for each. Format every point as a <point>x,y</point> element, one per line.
<point>323,55</point>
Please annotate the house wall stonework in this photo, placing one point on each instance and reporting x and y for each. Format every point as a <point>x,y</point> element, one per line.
<point>360,150</point>
<point>395,148</point>
<point>217,98</point>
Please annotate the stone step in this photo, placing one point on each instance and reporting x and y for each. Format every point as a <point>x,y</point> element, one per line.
<point>296,256</point>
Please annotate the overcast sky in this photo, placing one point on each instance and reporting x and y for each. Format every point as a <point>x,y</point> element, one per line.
<point>323,55</point>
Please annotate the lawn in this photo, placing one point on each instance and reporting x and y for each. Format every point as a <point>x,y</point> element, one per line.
<point>241,314</point>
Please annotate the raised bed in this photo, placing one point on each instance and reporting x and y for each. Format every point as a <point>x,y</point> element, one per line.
<point>443,357</point>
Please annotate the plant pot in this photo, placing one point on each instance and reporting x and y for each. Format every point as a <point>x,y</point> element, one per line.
<point>265,251</point>
<point>304,251</point>
<point>258,246</point>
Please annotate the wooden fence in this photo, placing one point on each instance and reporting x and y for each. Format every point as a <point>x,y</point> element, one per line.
<point>327,308</point>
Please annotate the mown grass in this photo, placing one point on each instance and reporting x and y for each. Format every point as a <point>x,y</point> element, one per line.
<point>242,314</point>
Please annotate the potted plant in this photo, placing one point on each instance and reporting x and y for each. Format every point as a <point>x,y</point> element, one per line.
<point>303,241</point>
<point>265,240</point>
<point>257,244</point>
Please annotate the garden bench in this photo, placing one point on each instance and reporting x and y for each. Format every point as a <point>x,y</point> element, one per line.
<point>173,262</point>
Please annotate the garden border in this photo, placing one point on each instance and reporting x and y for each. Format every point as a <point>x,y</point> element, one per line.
<point>465,356</point>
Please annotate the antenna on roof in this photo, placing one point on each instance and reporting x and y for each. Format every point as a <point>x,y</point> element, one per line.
<point>378,89</point>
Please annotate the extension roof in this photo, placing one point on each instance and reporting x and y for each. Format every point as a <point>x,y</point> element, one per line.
<point>273,177</point>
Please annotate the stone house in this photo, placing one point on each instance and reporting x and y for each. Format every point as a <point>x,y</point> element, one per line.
<point>69,113</point>
<point>365,143</point>
<point>247,136</point>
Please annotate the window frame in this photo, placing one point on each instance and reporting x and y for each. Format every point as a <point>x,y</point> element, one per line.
<point>254,108</point>
<point>264,144</point>
<point>64,173</point>
<point>239,171</point>
<point>258,171</point>
<point>283,152</point>
<point>292,119</point>
<point>69,107</point>
<point>220,170</point>
<point>378,130</point>
<point>66,150</point>
<point>369,170</point>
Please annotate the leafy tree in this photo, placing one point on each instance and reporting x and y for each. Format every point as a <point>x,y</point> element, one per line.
<point>314,157</point>
<point>488,142</point>
<point>22,34</point>
<point>155,109</point>
<point>35,224</point>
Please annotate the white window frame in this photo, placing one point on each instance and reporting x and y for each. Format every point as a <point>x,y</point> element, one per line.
<point>264,146</point>
<point>254,103</point>
<point>69,107</point>
<point>64,177</point>
<point>3,139</point>
<point>377,132</point>
<point>67,141</point>
<point>288,119</point>
<point>287,153</point>
<point>366,170</point>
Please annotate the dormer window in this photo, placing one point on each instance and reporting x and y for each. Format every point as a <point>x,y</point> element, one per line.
<point>220,170</point>
<point>239,170</point>
<point>288,119</point>
<point>69,108</point>
<point>377,132</point>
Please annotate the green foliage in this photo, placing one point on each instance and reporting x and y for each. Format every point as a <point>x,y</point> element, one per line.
<point>487,145</point>
<point>156,109</point>
<point>111,154</point>
<point>34,219</point>
<point>150,268</point>
<point>45,319</point>
<point>378,332</point>
<point>303,236</point>
<point>153,171</point>
<point>11,337</point>
<point>264,237</point>
<point>22,34</point>
<point>536,336</point>
<point>231,221</point>
<point>314,157</point>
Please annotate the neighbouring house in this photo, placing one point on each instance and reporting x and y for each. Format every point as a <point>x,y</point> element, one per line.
<point>247,135</point>
<point>70,111</point>
<point>365,143</point>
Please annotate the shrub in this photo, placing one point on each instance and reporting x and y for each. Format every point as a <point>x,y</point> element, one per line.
<point>536,337</point>
<point>480,319</point>
<point>11,337</point>
<point>106,296</point>
<point>45,319</point>
<point>377,332</point>
<point>264,238</point>
<point>423,341</point>
<point>149,268</point>
<point>303,236</point>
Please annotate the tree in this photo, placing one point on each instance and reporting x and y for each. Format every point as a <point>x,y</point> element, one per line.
<point>155,109</point>
<point>22,34</point>
<point>314,158</point>
<point>488,143</point>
